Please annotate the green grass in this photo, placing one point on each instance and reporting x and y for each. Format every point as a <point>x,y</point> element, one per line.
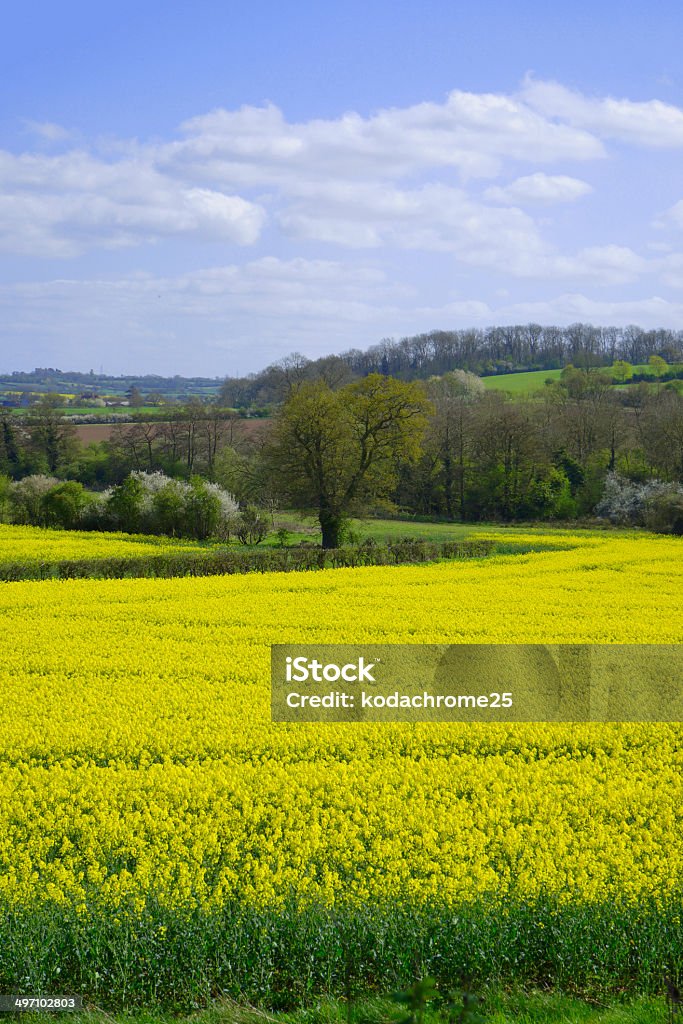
<point>645,368</point>
<point>305,528</point>
<point>85,410</point>
<point>496,1008</point>
<point>521,383</point>
<point>534,380</point>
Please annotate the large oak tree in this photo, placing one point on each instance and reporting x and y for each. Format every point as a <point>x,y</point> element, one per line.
<point>336,451</point>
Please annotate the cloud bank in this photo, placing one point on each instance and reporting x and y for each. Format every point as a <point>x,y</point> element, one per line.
<point>277,218</point>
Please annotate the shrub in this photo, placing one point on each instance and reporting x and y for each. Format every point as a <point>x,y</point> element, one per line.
<point>26,498</point>
<point>65,505</point>
<point>180,509</point>
<point>252,526</point>
<point>168,508</point>
<point>664,512</point>
<point>126,505</point>
<point>222,561</point>
<point>638,504</point>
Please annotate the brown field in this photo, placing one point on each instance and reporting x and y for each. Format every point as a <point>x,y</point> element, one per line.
<point>236,430</point>
<point>91,433</point>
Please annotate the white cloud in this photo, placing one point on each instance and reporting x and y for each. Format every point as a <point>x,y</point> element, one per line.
<point>62,206</point>
<point>434,217</point>
<point>673,217</point>
<point>470,132</point>
<point>444,219</point>
<point>540,188</point>
<point>650,123</point>
<point>387,186</point>
<point>47,130</point>
<point>354,181</point>
<point>603,264</point>
<point>672,270</point>
<point>650,312</point>
<point>237,318</point>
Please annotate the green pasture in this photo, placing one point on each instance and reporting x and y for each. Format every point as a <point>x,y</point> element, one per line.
<point>111,410</point>
<point>521,383</point>
<point>534,380</point>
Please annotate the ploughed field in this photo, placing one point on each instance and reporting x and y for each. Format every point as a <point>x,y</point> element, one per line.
<point>161,839</point>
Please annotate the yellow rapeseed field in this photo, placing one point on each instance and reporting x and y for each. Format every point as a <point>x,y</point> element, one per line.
<point>34,544</point>
<point>138,760</point>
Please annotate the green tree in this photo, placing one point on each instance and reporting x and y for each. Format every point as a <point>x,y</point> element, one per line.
<point>126,504</point>
<point>65,504</point>
<point>252,526</point>
<point>135,397</point>
<point>658,365</point>
<point>450,434</point>
<point>508,455</point>
<point>26,497</point>
<point>53,438</point>
<point>202,510</point>
<point>10,456</point>
<point>168,507</point>
<point>335,451</point>
<point>622,371</point>
<point>5,505</point>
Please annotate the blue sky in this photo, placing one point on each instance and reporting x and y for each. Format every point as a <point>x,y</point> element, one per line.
<point>204,188</point>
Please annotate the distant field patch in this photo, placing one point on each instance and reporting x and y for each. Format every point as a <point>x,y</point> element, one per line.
<point>521,383</point>
<point>34,544</point>
<point>92,433</point>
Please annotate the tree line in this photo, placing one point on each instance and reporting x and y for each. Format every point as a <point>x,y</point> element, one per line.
<point>449,448</point>
<point>480,351</point>
<point>446,447</point>
<point>185,443</point>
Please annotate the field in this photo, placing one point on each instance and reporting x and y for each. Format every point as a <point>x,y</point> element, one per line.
<point>93,433</point>
<point>163,841</point>
<point>534,380</point>
<point>521,383</point>
<point>33,544</point>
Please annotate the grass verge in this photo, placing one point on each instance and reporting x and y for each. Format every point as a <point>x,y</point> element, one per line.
<point>494,1008</point>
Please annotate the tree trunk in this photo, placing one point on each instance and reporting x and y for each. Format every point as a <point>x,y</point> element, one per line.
<point>331,526</point>
<point>448,483</point>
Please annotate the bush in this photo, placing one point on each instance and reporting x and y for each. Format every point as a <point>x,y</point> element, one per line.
<point>251,526</point>
<point>126,505</point>
<point>64,506</point>
<point>168,508</point>
<point>26,499</point>
<point>664,513</point>
<point>651,504</point>
<point>5,503</point>
<point>202,510</point>
<point>225,561</point>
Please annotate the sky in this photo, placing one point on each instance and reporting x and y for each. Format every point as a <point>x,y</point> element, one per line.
<point>205,188</point>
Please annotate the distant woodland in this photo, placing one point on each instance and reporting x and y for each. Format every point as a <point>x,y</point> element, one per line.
<point>495,350</point>
<point>407,427</point>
